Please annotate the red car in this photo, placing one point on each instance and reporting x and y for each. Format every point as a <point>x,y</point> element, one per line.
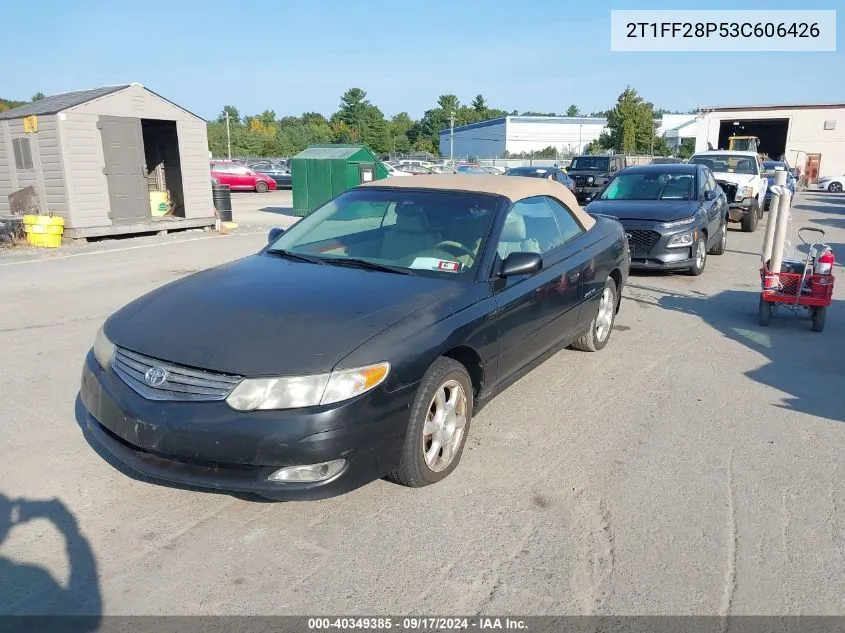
<point>241,178</point>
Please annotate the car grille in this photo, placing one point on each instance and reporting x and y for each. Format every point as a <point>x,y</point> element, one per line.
<point>729,188</point>
<point>180,383</point>
<point>641,241</point>
<point>581,181</point>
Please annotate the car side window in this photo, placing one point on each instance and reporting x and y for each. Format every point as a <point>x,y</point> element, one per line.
<point>703,185</point>
<point>529,227</point>
<point>711,181</point>
<point>566,222</point>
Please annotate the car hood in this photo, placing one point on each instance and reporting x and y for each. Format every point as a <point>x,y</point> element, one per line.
<point>263,315</point>
<point>736,179</point>
<point>656,210</point>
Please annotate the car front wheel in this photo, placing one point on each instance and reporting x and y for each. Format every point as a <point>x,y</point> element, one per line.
<point>261,186</point>
<point>437,430</point>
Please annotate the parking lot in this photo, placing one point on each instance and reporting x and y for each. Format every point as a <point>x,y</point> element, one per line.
<point>691,467</point>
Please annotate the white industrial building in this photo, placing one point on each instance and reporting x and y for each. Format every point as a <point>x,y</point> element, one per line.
<point>676,128</point>
<point>518,134</point>
<point>810,137</point>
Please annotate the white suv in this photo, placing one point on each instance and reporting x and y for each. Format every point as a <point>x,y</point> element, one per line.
<point>740,175</point>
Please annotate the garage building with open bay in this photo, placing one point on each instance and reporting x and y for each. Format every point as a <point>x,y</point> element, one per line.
<point>95,157</point>
<point>810,137</point>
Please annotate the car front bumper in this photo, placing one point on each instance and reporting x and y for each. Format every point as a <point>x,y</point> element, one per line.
<point>582,193</point>
<point>210,445</point>
<point>650,250</point>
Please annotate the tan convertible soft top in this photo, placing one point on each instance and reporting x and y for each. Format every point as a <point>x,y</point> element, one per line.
<point>514,188</point>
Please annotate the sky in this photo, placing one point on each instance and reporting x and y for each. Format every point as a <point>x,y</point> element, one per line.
<point>294,57</point>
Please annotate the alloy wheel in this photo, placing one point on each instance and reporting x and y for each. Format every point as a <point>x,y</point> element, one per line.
<point>604,319</point>
<point>444,426</point>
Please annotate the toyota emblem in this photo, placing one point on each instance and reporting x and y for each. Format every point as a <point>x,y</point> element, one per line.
<point>155,377</point>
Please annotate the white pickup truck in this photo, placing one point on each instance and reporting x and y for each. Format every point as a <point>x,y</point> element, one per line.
<point>741,177</point>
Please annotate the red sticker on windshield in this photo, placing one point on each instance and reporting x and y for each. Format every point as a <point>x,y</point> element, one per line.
<point>452,267</point>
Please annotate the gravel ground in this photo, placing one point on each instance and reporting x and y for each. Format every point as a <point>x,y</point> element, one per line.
<point>691,467</point>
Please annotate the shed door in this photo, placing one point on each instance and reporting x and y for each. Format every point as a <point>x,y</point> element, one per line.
<point>123,151</point>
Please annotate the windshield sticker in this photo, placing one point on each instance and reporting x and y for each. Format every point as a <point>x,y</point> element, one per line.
<point>432,263</point>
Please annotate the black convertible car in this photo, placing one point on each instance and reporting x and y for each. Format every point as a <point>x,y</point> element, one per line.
<point>357,344</point>
<point>673,215</point>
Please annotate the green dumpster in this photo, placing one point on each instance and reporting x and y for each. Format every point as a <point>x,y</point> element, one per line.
<point>321,172</point>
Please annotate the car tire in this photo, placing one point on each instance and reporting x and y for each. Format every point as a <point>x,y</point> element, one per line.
<point>749,220</point>
<point>699,256</point>
<point>818,319</point>
<point>602,324</point>
<point>261,187</point>
<point>835,187</point>
<point>764,312</point>
<point>420,465</point>
<point>722,244</point>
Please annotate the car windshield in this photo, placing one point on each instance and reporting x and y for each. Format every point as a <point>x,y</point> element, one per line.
<point>531,172</point>
<point>651,185</point>
<point>435,233</point>
<point>591,163</point>
<point>727,163</point>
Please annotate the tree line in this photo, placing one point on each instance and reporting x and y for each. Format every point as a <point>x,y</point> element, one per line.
<point>357,120</point>
<point>630,123</point>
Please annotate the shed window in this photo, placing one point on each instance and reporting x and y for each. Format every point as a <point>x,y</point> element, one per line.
<point>23,153</point>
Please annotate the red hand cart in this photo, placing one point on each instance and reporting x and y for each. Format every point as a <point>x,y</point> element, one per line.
<point>810,288</point>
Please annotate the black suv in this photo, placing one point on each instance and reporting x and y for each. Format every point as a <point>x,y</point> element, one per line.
<point>591,173</point>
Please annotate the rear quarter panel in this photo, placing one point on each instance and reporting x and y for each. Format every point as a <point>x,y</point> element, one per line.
<point>609,252</point>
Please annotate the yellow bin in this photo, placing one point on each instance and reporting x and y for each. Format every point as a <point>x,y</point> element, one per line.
<point>158,203</point>
<point>44,230</point>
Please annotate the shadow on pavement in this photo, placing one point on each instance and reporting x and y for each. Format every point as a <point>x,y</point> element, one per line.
<point>808,367</point>
<point>106,456</point>
<point>279,210</point>
<point>31,590</point>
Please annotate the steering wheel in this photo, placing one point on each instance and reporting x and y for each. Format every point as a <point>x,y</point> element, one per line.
<point>449,244</point>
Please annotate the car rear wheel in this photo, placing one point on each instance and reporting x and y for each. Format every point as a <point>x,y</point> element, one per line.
<point>261,187</point>
<point>722,244</point>
<point>437,431</point>
<point>835,187</point>
<point>599,333</point>
<point>699,256</point>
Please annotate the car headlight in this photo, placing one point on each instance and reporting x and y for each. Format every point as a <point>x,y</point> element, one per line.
<point>590,179</point>
<point>677,223</point>
<point>744,192</point>
<point>682,239</point>
<point>293,392</point>
<point>103,349</point>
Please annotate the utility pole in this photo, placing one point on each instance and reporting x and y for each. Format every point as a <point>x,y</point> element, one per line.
<point>580,138</point>
<point>452,137</point>
<point>228,135</point>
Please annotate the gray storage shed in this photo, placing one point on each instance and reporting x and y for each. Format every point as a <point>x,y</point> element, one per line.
<point>96,157</point>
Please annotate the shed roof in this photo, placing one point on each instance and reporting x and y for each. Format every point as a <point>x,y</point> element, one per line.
<point>514,188</point>
<point>56,103</point>
<point>330,151</point>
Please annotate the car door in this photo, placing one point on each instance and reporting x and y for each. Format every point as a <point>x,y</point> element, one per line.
<point>721,199</point>
<point>711,207</point>
<point>223,174</point>
<point>534,312</point>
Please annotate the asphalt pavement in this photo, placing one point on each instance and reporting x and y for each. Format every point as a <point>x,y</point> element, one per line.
<point>691,467</point>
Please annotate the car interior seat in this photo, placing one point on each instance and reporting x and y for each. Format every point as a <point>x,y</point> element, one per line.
<point>467,231</point>
<point>678,189</point>
<point>409,235</point>
<point>515,238</point>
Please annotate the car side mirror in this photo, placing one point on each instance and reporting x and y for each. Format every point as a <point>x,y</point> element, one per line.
<point>274,234</point>
<point>517,264</point>
<point>710,194</point>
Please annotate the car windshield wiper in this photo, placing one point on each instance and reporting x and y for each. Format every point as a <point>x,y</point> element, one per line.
<point>363,263</point>
<point>278,252</point>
